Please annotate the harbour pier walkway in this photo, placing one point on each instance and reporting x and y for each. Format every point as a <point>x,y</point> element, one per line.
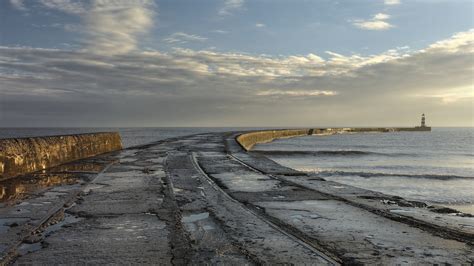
<point>203,199</point>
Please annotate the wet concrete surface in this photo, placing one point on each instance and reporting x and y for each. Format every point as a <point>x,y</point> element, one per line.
<point>202,199</point>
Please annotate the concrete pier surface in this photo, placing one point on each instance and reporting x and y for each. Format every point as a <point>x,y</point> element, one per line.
<point>205,199</point>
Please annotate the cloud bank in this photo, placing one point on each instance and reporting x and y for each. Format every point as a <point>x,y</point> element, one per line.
<point>208,88</point>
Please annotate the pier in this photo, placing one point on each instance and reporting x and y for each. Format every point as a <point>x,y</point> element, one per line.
<point>208,199</point>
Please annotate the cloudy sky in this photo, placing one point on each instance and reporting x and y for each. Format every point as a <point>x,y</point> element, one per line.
<point>236,62</point>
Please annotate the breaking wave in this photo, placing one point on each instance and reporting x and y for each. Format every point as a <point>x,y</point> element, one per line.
<point>329,153</point>
<point>369,175</point>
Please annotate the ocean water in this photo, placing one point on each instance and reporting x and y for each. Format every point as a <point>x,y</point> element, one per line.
<point>130,136</point>
<point>435,167</point>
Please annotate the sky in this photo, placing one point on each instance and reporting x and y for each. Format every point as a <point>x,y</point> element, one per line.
<point>279,63</point>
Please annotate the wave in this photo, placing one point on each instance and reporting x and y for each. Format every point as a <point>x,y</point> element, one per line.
<point>329,153</point>
<point>369,175</point>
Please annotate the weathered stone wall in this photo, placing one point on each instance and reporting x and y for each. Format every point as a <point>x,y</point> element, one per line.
<point>248,140</point>
<point>24,155</point>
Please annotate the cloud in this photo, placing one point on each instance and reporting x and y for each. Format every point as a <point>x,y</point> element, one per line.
<point>18,4</point>
<point>381,16</point>
<point>451,95</point>
<point>376,23</point>
<point>260,25</point>
<point>108,26</point>
<point>392,2</point>
<point>67,6</point>
<point>220,31</point>
<point>113,27</point>
<point>296,93</point>
<point>230,6</point>
<point>181,38</point>
<point>41,87</point>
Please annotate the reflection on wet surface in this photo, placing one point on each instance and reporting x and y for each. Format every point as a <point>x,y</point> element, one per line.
<point>198,222</point>
<point>79,167</point>
<point>21,187</point>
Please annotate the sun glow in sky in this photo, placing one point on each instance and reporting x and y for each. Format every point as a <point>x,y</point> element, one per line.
<point>236,62</point>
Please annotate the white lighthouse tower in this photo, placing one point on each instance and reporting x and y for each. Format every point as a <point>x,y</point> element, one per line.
<point>423,124</point>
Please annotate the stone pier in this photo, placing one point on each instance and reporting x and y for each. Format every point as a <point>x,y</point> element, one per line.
<point>208,199</point>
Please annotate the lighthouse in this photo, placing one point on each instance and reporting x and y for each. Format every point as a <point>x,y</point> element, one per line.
<point>423,124</point>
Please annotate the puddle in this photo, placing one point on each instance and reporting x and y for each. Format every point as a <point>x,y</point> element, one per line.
<point>92,187</point>
<point>177,190</point>
<point>4,228</point>
<point>20,211</point>
<point>156,160</point>
<point>247,182</point>
<point>195,217</point>
<point>25,248</point>
<point>400,211</point>
<point>79,167</point>
<point>297,216</point>
<point>128,160</point>
<point>21,187</point>
<point>7,223</point>
<point>2,249</point>
<point>68,219</point>
<point>54,194</point>
<point>198,222</point>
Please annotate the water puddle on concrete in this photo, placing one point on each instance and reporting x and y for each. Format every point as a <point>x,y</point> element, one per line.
<point>25,248</point>
<point>80,167</point>
<point>3,248</point>
<point>68,219</point>
<point>402,211</point>
<point>198,222</point>
<point>91,187</point>
<point>247,182</point>
<point>195,217</point>
<point>20,187</point>
<point>156,160</point>
<point>279,197</point>
<point>7,223</point>
<point>128,160</point>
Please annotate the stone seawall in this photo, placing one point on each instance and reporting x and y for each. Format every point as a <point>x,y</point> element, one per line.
<point>23,155</point>
<point>248,140</point>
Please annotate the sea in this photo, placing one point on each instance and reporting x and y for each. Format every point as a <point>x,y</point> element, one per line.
<point>436,167</point>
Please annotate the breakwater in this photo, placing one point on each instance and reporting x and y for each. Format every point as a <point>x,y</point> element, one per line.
<point>23,155</point>
<point>248,140</point>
